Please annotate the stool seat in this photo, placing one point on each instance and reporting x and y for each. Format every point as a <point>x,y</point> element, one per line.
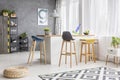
<point>37,39</point>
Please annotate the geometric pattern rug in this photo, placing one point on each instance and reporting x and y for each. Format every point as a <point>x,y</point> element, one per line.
<point>99,73</point>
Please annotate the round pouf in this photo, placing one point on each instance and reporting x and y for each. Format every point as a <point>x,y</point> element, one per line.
<point>15,72</point>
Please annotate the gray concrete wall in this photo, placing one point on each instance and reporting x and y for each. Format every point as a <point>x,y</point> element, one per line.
<point>26,11</point>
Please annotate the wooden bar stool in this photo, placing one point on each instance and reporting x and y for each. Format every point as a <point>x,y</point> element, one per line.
<point>42,49</point>
<point>88,44</point>
<point>68,47</point>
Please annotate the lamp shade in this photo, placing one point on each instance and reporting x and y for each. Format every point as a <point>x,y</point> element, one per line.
<point>55,14</point>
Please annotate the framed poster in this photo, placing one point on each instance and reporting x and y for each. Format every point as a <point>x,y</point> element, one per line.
<point>42,16</point>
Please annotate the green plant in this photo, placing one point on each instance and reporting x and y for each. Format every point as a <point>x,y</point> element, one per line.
<point>12,12</point>
<point>23,35</point>
<point>86,32</point>
<point>115,41</point>
<point>46,29</point>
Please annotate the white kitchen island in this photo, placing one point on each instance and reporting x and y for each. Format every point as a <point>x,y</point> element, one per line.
<point>53,47</point>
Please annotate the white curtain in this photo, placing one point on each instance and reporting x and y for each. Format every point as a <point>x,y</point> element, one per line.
<point>102,17</point>
<point>58,19</point>
<point>69,12</point>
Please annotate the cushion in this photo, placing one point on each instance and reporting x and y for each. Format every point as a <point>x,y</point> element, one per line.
<point>15,72</point>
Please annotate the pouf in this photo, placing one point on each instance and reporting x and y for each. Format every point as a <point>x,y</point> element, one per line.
<point>16,72</point>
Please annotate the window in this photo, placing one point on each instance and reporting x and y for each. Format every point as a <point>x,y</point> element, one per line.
<point>69,15</point>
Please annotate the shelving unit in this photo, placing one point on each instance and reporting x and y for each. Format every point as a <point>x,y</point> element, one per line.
<point>13,34</point>
<point>9,40</point>
<point>23,44</point>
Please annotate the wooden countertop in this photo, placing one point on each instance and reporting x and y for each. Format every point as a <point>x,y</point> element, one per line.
<point>41,35</point>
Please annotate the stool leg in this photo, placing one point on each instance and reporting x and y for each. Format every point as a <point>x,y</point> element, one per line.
<point>44,51</point>
<point>40,51</point>
<point>61,53</point>
<point>70,54</point>
<point>106,59</point>
<point>66,54</point>
<point>85,54</point>
<point>114,60</point>
<point>88,52</point>
<point>31,51</point>
<point>117,61</point>
<point>94,57</point>
<point>81,52</point>
<point>75,53</point>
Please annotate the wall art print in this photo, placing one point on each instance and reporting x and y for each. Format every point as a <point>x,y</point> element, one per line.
<point>42,16</point>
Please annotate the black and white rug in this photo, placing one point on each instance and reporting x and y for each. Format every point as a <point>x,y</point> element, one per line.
<point>99,73</point>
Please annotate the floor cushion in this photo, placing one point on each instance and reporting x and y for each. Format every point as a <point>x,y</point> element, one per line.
<point>15,72</point>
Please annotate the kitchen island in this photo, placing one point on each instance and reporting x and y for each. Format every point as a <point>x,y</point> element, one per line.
<point>53,47</point>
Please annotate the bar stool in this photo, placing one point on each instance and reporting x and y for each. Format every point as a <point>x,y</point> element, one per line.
<point>87,44</point>
<point>42,49</point>
<point>67,50</point>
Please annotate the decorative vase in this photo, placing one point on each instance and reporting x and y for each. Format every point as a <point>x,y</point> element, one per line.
<point>5,13</point>
<point>86,33</point>
<point>13,15</point>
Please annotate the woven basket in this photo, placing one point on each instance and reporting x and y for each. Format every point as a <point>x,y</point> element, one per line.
<point>15,72</point>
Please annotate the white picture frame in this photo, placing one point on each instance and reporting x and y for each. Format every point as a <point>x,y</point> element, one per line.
<point>42,16</point>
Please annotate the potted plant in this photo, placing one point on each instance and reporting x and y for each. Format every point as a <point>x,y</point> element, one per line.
<point>86,32</point>
<point>115,42</point>
<point>13,14</point>
<point>5,12</point>
<point>23,35</point>
<point>46,30</point>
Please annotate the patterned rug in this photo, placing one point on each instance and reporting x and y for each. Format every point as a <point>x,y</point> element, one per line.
<point>99,73</point>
